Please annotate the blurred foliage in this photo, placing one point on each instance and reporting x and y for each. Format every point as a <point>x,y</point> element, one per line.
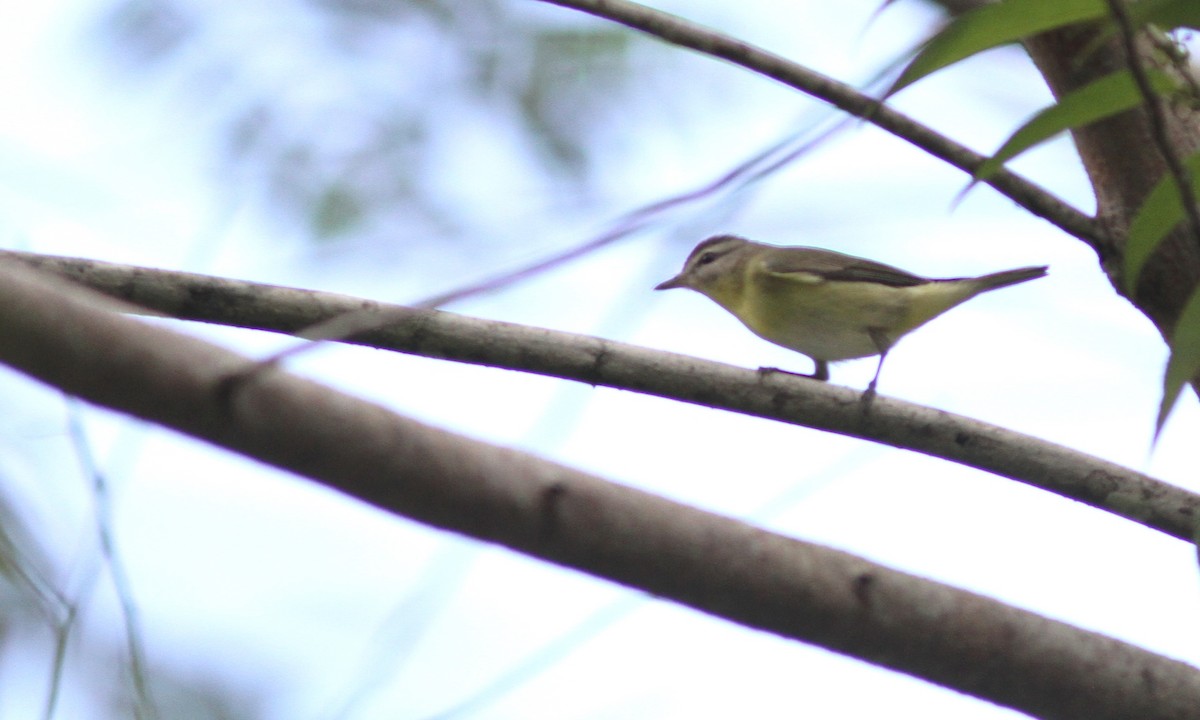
<point>43,631</point>
<point>336,112</point>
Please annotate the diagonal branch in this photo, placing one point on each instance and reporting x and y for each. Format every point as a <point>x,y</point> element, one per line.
<point>681,32</point>
<point>59,335</point>
<point>1069,473</point>
<point>765,162</point>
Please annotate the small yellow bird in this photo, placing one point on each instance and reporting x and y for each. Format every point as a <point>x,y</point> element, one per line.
<point>824,304</point>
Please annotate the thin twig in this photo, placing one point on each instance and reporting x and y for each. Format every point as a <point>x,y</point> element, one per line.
<point>754,169</point>
<point>143,704</point>
<point>681,32</point>
<point>749,171</point>
<point>635,220</point>
<point>1158,118</point>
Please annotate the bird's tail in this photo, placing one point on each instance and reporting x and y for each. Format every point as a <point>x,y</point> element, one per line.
<point>934,298</point>
<point>1008,277</point>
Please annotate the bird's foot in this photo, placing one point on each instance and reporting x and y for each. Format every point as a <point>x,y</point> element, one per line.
<point>868,397</point>
<point>764,371</point>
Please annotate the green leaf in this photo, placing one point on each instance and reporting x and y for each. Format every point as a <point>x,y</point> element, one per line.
<point>1185,359</point>
<point>1166,14</point>
<point>1160,212</point>
<point>1097,100</point>
<point>994,25</point>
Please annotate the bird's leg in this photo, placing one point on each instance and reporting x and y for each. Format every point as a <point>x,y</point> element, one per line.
<point>881,341</point>
<point>820,371</point>
<point>869,394</point>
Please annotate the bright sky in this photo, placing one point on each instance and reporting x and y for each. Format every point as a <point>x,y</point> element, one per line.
<point>296,603</point>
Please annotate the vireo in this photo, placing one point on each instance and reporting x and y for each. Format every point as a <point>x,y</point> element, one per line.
<point>824,304</point>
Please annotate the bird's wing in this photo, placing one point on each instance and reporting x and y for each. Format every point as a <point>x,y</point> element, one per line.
<point>807,266</point>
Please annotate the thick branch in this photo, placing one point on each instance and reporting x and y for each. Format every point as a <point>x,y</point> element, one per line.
<point>964,641</point>
<point>1066,472</point>
<point>681,32</point>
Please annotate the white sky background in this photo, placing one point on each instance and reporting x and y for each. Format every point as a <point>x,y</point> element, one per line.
<point>292,600</point>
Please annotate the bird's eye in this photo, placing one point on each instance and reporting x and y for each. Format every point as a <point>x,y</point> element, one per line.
<point>706,258</point>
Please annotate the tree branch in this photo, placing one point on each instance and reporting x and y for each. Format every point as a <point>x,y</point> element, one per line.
<point>798,401</point>
<point>59,335</point>
<point>681,32</point>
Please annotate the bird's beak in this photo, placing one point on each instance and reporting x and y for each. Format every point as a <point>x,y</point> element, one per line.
<point>676,282</point>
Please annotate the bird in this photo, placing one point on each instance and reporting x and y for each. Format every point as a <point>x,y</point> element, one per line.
<point>824,304</point>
